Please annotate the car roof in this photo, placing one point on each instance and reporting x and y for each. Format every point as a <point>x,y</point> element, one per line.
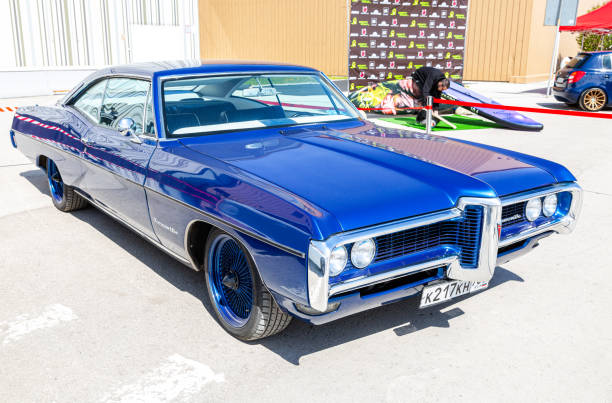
<point>153,70</point>
<point>187,67</point>
<point>597,52</point>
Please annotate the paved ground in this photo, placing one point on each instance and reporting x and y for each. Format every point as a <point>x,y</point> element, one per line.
<point>90,312</point>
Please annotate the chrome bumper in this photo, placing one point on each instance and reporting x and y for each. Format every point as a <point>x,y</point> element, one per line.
<point>319,290</point>
<point>319,252</point>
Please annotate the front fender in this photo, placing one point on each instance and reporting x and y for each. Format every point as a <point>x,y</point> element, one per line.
<point>183,186</point>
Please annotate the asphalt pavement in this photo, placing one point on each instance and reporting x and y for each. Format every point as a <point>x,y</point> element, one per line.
<point>90,312</point>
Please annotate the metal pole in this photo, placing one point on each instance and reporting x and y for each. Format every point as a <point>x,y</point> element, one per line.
<point>429,110</point>
<point>553,62</point>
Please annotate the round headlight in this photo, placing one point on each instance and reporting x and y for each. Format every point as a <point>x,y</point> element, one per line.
<point>337,260</point>
<point>533,209</point>
<point>550,205</point>
<point>362,253</point>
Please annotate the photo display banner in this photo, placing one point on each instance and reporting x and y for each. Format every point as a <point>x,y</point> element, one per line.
<point>389,39</point>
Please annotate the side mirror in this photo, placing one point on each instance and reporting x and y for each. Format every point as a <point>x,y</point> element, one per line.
<point>126,126</point>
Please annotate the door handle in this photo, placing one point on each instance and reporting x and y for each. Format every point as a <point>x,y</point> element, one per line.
<point>86,141</point>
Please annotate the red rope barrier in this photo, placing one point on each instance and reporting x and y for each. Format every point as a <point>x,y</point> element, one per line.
<point>388,109</point>
<point>525,109</point>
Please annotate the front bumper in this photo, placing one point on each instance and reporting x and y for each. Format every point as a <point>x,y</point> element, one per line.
<point>354,302</point>
<point>322,295</point>
<point>319,290</point>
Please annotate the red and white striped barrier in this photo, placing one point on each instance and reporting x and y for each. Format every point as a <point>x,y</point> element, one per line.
<point>8,108</point>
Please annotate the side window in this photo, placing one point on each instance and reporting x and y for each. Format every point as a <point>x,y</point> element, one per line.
<point>149,116</point>
<point>124,98</point>
<point>607,62</point>
<point>90,101</point>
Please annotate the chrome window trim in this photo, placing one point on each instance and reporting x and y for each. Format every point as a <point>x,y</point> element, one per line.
<point>561,225</point>
<point>145,115</point>
<point>80,94</point>
<point>84,86</point>
<point>81,88</point>
<point>319,252</point>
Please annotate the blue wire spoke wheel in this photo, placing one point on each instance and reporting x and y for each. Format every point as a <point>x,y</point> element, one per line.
<point>231,281</point>
<point>56,185</point>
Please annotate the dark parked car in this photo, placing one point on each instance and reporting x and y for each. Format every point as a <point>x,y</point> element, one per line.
<point>586,80</point>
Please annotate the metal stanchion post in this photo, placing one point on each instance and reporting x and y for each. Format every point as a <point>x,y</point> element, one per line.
<point>429,110</point>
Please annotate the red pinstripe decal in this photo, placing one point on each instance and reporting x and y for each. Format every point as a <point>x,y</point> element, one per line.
<point>45,126</point>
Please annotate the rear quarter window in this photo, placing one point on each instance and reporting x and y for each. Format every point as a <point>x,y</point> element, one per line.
<point>578,61</point>
<point>89,102</point>
<point>607,62</point>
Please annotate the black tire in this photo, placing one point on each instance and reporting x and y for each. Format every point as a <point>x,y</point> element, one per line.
<point>593,100</point>
<point>265,319</point>
<point>69,200</point>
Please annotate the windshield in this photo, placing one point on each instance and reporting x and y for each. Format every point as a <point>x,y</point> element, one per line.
<point>577,61</point>
<point>203,105</point>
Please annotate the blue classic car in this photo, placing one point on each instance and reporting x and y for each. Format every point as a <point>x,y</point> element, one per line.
<point>268,180</point>
<point>586,80</point>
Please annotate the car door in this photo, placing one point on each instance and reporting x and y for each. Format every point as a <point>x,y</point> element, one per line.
<point>607,75</point>
<point>117,163</point>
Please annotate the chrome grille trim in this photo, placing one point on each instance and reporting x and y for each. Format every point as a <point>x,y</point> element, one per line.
<point>320,251</point>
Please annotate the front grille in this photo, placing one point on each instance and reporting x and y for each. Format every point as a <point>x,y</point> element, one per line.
<point>513,213</point>
<point>413,279</point>
<point>470,230</point>
<point>464,233</point>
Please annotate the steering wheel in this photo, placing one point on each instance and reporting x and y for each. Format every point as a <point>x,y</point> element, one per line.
<point>295,114</point>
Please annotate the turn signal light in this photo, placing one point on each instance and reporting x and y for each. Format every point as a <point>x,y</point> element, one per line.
<point>575,77</point>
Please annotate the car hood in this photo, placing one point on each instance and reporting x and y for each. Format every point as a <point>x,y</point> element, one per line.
<point>365,174</point>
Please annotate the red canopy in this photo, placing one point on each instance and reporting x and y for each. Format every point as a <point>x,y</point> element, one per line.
<point>599,20</point>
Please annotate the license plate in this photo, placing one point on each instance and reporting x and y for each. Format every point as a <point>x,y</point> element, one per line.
<point>444,291</point>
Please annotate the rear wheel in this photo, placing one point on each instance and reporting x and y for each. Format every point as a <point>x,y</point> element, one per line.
<point>241,303</point>
<point>63,196</point>
<point>593,100</point>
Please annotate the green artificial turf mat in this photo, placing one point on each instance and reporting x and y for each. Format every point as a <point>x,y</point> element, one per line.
<point>462,122</point>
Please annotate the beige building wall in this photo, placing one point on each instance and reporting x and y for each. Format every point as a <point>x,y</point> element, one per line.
<point>312,33</point>
<point>497,40</point>
<point>506,39</point>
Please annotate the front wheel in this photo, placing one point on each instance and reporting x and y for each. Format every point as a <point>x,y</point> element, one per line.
<point>241,303</point>
<point>593,100</point>
<point>63,196</point>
